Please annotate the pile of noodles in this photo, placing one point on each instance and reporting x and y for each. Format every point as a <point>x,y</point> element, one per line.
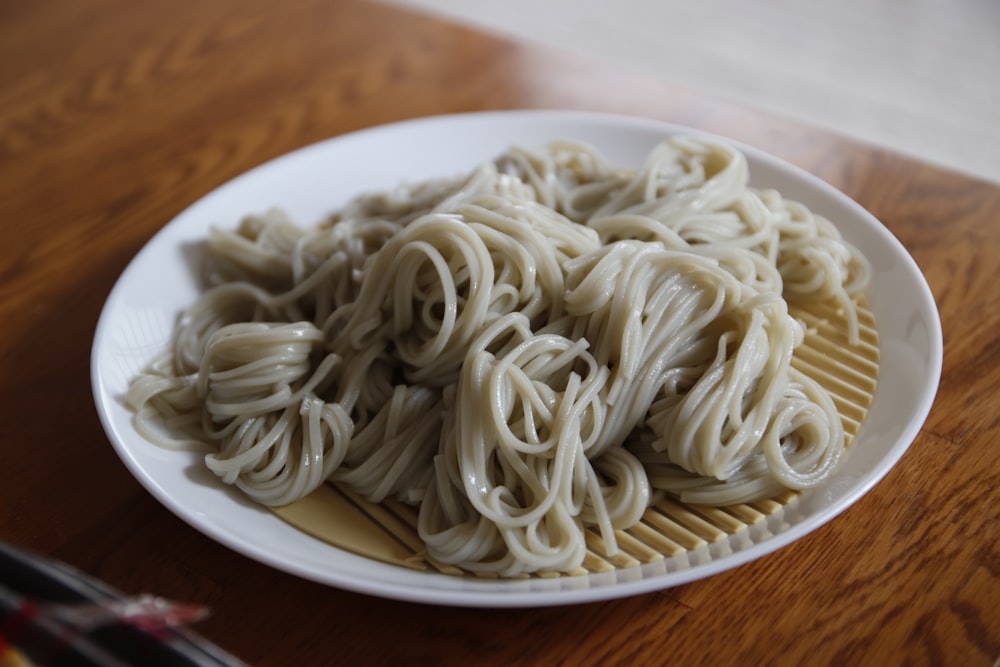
<point>547,345</point>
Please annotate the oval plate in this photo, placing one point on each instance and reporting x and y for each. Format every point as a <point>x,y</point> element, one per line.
<point>309,183</point>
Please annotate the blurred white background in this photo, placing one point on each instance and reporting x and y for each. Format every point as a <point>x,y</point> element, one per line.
<point>918,76</point>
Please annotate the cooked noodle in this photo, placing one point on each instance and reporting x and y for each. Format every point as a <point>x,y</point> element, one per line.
<point>544,346</point>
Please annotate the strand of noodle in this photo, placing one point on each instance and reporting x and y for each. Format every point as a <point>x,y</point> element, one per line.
<point>814,417</point>
<point>627,495</point>
<point>389,455</point>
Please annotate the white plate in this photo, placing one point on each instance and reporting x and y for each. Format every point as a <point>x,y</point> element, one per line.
<point>138,316</point>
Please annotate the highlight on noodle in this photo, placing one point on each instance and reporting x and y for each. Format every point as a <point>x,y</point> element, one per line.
<point>546,345</point>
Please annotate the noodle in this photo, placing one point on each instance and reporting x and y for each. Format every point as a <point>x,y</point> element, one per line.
<point>540,348</point>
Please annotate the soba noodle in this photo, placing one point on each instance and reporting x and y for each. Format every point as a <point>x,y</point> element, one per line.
<point>546,345</point>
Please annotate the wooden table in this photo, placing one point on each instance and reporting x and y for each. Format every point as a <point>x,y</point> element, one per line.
<point>115,116</point>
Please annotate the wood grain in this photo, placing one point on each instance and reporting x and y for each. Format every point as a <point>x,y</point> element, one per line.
<point>115,116</point>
